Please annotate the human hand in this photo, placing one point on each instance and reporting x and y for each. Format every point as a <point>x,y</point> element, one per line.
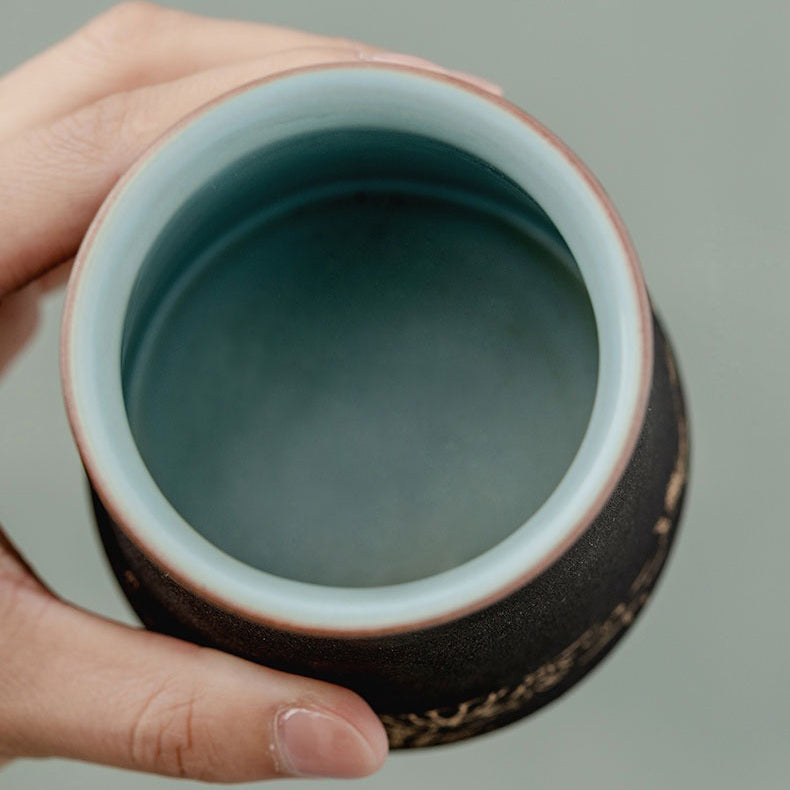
<point>74,684</point>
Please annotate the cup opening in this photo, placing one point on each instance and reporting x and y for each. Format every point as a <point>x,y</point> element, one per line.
<point>358,357</point>
<point>480,169</point>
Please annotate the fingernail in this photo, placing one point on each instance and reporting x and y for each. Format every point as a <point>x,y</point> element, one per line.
<point>315,742</point>
<point>400,59</point>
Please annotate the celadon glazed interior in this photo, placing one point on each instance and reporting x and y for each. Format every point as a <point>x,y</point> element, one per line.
<point>355,347</point>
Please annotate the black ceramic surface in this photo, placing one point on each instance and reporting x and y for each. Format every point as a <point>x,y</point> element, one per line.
<point>498,664</point>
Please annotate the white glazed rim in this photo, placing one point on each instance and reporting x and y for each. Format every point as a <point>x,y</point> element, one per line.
<point>470,118</point>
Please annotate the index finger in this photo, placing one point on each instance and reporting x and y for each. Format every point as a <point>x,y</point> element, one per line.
<point>132,45</point>
<point>55,177</point>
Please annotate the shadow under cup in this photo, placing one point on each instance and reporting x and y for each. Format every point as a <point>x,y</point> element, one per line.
<point>358,357</point>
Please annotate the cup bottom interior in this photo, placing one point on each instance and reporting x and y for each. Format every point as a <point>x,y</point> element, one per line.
<point>359,360</point>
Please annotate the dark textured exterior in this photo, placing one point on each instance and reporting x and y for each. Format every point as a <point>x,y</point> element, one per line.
<point>471,675</point>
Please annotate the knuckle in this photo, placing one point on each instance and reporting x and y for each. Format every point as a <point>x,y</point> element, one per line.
<point>92,132</point>
<point>129,19</point>
<point>164,736</point>
<point>122,26</point>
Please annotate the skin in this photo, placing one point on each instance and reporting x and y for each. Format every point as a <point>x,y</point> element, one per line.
<point>74,684</point>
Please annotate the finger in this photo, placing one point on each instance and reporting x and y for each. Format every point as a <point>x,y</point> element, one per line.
<point>56,176</point>
<point>131,45</point>
<point>74,685</point>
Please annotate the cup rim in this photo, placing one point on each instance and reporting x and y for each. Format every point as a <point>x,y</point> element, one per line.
<point>253,603</point>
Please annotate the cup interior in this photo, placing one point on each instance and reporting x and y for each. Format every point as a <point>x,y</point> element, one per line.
<point>358,357</point>
<point>356,348</point>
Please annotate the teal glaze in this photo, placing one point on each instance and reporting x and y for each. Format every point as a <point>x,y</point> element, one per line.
<point>364,345</point>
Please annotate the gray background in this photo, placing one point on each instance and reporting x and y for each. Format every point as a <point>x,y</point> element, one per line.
<point>682,110</point>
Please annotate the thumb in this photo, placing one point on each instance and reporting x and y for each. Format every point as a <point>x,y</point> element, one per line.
<point>75,685</point>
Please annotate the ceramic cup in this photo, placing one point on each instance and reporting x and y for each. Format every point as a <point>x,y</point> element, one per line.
<point>368,387</point>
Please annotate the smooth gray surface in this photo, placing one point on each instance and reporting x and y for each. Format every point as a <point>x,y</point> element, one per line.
<point>682,111</point>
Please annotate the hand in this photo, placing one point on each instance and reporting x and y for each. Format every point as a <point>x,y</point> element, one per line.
<point>74,684</point>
